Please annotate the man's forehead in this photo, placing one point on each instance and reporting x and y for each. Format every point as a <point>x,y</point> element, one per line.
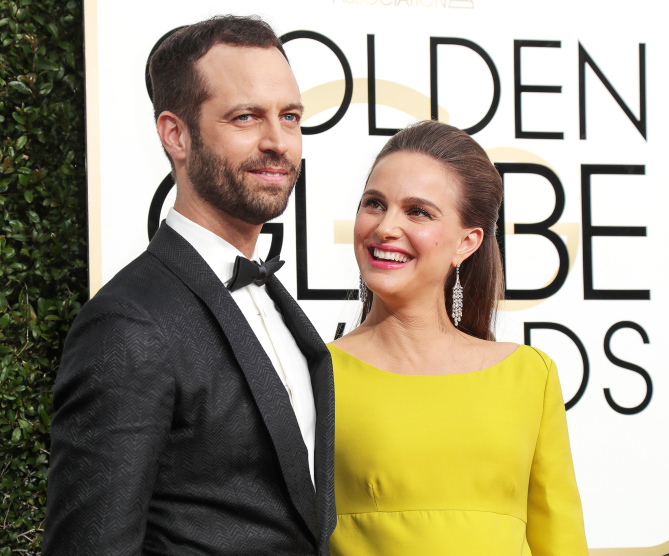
<point>248,75</point>
<point>222,57</point>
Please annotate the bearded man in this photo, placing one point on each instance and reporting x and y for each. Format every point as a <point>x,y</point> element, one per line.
<point>194,406</point>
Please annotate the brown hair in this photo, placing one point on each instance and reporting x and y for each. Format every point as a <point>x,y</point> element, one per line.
<point>176,84</point>
<point>480,198</point>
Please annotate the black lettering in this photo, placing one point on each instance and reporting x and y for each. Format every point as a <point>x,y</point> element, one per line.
<point>340,330</point>
<point>529,326</point>
<point>590,231</point>
<point>348,78</point>
<point>276,229</point>
<point>626,365</point>
<point>303,290</point>
<point>583,59</point>
<point>434,94</point>
<point>520,89</point>
<point>539,228</point>
<point>371,92</point>
<point>157,204</point>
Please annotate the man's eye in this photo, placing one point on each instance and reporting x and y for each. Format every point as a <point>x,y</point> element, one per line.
<point>292,117</point>
<point>244,117</point>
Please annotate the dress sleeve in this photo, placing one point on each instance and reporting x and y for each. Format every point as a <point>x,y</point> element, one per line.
<point>113,403</point>
<point>554,514</point>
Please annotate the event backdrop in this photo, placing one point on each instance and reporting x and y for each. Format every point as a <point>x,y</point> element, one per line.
<point>568,98</point>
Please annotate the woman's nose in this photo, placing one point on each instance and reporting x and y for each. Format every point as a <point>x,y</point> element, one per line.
<point>389,227</point>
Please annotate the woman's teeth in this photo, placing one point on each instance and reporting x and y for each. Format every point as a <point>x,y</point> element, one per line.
<point>390,256</point>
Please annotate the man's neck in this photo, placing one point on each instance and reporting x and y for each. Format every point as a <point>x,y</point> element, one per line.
<point>239,234</point>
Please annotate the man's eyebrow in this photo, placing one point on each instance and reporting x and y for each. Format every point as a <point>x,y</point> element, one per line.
<point>296,106</point>
<point>254,108</point>
<point>242,108</point>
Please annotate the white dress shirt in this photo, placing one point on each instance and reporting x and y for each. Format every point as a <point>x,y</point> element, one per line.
<point>265,321</point>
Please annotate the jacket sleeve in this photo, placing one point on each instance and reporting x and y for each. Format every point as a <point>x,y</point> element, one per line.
<point>554,514</point>
<point>113,403</point>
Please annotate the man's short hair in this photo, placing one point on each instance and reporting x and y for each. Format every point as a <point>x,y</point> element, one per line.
<point>176,83</point>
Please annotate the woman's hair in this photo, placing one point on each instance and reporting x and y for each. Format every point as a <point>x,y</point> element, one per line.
<point>479,199</point>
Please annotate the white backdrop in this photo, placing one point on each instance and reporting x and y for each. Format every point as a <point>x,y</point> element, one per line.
<point>553,60</point>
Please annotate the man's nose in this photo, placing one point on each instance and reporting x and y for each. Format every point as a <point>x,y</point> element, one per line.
<point>273,138</point>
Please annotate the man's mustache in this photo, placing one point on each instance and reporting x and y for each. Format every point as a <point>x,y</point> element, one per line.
<point>269,159</point>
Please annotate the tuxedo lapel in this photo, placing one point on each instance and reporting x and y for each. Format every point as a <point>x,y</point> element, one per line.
<point>266,387</point>
<point>322,381</point>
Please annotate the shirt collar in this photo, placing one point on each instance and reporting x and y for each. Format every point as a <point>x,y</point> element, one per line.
<point>218,253</point>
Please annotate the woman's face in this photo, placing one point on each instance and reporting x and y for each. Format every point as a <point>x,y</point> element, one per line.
<point>407,232</point>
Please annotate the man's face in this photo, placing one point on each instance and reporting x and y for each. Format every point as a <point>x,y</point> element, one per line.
<point>245,159</point>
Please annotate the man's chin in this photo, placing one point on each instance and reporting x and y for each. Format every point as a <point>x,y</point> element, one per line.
<point>257,215</point>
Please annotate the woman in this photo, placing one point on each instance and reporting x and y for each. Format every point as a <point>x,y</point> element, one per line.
<point>447,442</point>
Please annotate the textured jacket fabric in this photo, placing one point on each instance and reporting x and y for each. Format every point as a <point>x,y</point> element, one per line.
<point>173,434</point>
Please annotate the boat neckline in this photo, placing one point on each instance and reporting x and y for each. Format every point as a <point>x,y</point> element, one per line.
<point>506,359</point>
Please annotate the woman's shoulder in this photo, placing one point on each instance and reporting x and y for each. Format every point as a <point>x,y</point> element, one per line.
<point>489,353</point>
<point>358,347</point>
<point>511,353</point>
<point>536,357</point>
<point>353,343</point>
<point>499,351</point>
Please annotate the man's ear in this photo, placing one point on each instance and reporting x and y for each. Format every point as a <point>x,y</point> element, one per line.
<point>174,135</point>
<point>469,243</point>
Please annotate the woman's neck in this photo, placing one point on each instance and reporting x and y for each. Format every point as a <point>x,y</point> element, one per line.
<point>409,328</point>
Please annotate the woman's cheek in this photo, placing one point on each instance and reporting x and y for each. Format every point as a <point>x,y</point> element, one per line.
<point>362,228</point>
<point>358,242</point>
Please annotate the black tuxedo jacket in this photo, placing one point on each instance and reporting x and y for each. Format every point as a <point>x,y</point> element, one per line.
<point>173,434</point>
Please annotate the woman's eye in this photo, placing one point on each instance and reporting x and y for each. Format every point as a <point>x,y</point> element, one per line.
<point>418,211</point>
<point>372,203</point>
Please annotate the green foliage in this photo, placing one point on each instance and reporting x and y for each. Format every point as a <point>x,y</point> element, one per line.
<point>43,277</point>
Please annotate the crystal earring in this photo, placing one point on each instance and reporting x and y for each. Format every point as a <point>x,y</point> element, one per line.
<point>457,299</point>
<point>363,291</point>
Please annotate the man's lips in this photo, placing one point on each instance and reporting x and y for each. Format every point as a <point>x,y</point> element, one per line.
<point>273,172</point>
<point>271,175</point>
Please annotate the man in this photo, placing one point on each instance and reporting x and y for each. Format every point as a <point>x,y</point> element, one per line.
<point>194,413</point>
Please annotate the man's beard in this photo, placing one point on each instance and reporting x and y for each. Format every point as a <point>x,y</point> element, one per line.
<point>224,187</point>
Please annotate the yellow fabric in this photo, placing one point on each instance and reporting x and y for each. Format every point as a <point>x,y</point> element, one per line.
<point>466,465</point>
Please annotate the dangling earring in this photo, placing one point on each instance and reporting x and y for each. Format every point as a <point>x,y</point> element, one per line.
<point>363,291</point>
<point>457,299</point>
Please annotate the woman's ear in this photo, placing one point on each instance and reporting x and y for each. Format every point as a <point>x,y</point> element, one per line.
<point>174,135</point>
<point>470,242</point>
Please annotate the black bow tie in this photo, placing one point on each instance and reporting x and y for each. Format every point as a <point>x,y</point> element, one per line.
<point>246,272</point>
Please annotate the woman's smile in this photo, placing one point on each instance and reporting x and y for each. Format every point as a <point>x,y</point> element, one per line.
<point>388,256</point>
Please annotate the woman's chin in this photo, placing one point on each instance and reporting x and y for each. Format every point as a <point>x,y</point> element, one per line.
<point>391,293</point>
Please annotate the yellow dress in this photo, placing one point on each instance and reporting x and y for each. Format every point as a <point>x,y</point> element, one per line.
<point>472,464</point>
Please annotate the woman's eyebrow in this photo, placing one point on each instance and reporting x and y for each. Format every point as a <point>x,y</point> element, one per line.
<point>374,192</point>
<point>420,201</point>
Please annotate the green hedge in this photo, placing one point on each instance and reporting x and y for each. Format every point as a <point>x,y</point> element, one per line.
<point>43,252</point>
